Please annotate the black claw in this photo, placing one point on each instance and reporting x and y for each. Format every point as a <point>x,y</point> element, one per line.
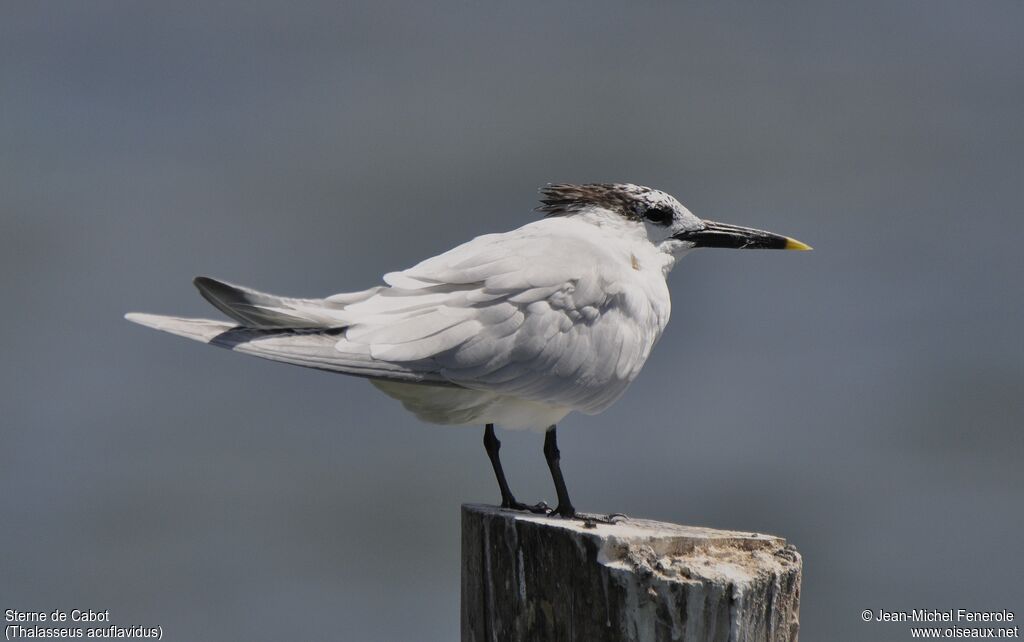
<point>567,512</point>
<point>540,508</point>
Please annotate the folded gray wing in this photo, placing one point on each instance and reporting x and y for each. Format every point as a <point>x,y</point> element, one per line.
<point>505,313</point>
<point>508,313</point>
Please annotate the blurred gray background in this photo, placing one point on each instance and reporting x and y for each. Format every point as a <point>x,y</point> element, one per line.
<point>863,400</point>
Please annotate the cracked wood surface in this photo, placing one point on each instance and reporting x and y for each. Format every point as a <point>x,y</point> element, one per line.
<point>535,578</point>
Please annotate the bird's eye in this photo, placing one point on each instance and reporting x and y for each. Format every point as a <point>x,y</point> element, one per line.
<point>658,215</point>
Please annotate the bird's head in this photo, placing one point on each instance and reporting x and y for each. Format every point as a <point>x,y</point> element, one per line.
<point>667,224</point>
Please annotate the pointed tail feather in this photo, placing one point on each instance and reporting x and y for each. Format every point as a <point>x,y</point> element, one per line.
<point>204,330</point>
<point>320,348</point>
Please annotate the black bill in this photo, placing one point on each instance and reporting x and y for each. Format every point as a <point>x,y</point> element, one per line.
<point>739,238</point>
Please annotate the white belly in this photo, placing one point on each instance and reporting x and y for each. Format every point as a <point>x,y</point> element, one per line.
<point>454,406</point>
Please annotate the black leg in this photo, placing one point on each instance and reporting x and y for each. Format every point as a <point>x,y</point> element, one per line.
<point>551,454</point>
<point>508,500</point>
<point>492,445</point>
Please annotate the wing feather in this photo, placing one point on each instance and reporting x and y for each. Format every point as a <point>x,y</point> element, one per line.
<point>511,315</point>
<point>543,313</point>
<point>426,347</point>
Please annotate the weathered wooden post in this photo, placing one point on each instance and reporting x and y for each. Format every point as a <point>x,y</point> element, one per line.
<point>533,578</point>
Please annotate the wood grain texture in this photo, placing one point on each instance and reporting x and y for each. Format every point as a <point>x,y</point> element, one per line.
<point>535,578</point>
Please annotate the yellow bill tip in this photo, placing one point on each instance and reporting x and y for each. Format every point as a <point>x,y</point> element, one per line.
<point>793,244</point>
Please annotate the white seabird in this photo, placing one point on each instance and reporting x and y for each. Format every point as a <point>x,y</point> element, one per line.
<point>516,329</point>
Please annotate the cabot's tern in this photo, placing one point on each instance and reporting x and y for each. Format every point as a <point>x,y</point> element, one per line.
<point>516,329</point>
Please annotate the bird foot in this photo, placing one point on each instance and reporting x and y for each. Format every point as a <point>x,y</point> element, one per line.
<point>590,520</point>
<point>566,512</point>
<point>540,508</point>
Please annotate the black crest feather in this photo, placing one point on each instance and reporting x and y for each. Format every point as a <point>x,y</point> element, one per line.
<point>563,198</point>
